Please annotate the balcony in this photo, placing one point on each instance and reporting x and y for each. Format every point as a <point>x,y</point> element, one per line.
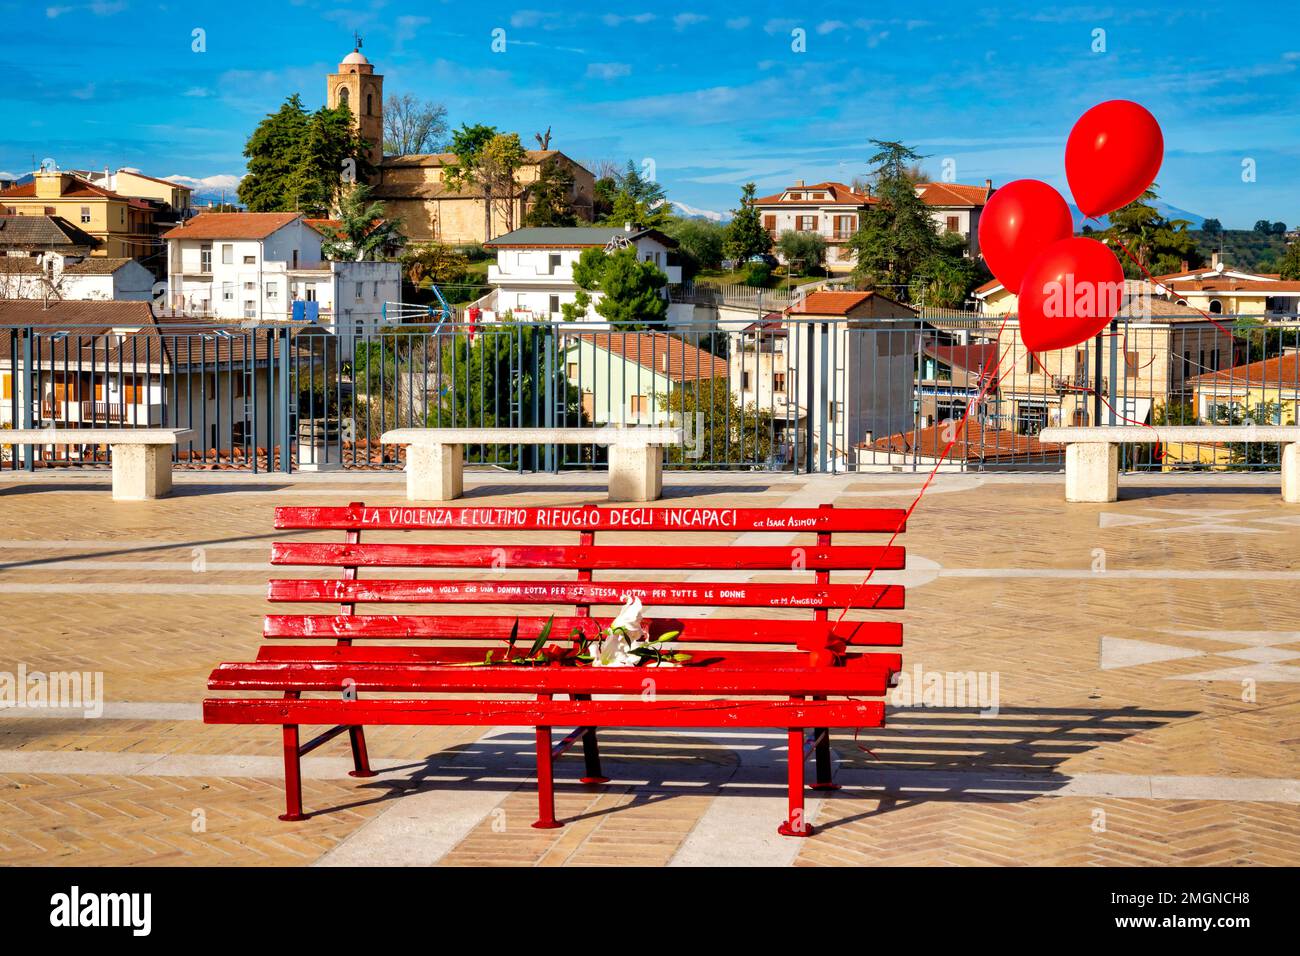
<point>101,413</point>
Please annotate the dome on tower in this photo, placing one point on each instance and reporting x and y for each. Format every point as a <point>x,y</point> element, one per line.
<point>355,57</point>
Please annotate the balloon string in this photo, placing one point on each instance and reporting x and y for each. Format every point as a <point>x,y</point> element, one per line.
<point>990,376</point>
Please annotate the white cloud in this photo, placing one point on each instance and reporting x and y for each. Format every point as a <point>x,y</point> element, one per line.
<point>608,71</point>
<point>198,91</point>
<point>614,19</point>
<point>206,183</point>
<point>684,20</point>
<point>738,23</point>
<point>830,26</point>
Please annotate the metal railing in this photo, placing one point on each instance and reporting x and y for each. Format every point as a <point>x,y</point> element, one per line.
<point>799,394</point>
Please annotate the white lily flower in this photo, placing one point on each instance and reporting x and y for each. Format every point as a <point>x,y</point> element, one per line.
<point>613,651</point>
<point>630,619</point>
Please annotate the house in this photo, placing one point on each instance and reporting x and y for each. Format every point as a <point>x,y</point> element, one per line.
<point>117,363</point>
<point>1221,290</point>
<point>952,376</point>
<point>172,202</point>
<point>956,208</point>
<point>54,276</point>
<point>533,275</point>
<point>267,266</point>
<point>860,348</point>
<point>993,298</point>
<point>123,226</point>
<point>834,210</point>
<point>413,188</point>
<point>625,378</point>
<point>829,209</point>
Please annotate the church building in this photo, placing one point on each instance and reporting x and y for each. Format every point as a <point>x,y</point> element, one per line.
<point>412,188</point>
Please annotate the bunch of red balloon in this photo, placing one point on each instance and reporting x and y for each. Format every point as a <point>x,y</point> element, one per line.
<point>1068,287</point>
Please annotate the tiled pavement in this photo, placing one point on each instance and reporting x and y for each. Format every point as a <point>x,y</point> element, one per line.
<point>1146,653</point>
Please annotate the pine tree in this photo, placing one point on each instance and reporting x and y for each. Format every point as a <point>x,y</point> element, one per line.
<point>896,236</point>
<point>551,197</point>
<point>745,233</point>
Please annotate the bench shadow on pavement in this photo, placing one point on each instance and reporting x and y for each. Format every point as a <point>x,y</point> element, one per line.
<point>105,486</point>
<point>600,489</point>
<point>1139,492</point>
<point>949,754</point>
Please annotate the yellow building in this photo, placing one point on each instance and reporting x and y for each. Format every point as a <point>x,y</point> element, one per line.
<point>412,187</point>
<point>124,226</point>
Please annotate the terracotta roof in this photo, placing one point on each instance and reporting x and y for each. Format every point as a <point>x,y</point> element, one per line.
<point>973,442</point>
<point>232,225</point>
<point>1281,370</point>
<point>822,302</point>
<point>330,228</point>
<point>78,189</point>
<point>96,266</point>
<point>1207,272</point>
<point>662,353</point>
<point>988,287</point>
<point>953,194</point>
<point>839,194</point>
<point>1229,285</point>
<point>69,314</point>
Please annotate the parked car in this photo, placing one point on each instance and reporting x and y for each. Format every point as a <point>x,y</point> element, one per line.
<point>767,259</point>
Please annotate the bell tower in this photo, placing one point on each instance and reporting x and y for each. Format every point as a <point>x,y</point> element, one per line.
<point>357,85</point>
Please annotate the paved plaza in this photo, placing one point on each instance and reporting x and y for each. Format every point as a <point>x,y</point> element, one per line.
<point>1087,684</point>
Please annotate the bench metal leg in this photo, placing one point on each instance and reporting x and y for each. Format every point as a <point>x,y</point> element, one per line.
<point>591,756</point>
<point>545,782</point>
<point>794,824</point>
<point>825,764</point>
<point>360,758</point>
<point>292,775</point>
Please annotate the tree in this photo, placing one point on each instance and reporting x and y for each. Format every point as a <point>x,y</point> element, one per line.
<point>636,198</point>
<point>412,125</point>
<point>896,237</point>
<point>1212,227</point>
<point>727,432</point>
<point>365,234</point>
<point>1279,229</point>
<point>947,277</point>
<point>630,289</point>
<point>1262,413</point>
<point>1263,226</point>
<point>297,161</point>
<point>468,143</point>
<point>699,244</point>
<point>1289,264</point>
<point>435,262</point>
<point>551,197</point>
<point>807,250</point>
<point>1161,245</point>
<point>745,233</point>
<point>498,165</point>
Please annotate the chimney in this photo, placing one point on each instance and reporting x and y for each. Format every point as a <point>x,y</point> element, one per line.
<point>50,184</point>
<point>988,184</point>
<point>1184,266</point>
<point>1215,262</point>
<point>663,363</point>
<point>798,182</point>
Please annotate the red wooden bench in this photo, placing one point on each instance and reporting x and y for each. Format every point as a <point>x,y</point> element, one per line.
<point>814,684</point>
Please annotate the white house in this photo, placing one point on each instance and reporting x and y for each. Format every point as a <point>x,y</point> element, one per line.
<point>533,275</point>
<point>833,211</point>
<point>255,266</point>
<point>53,276</point>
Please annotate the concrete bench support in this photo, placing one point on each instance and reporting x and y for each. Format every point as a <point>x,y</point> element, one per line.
<point>435,457</point>
<point>141,457</point>
<point>1092,454</point>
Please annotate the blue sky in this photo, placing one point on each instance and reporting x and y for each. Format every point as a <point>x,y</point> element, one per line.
<point>713,94</point>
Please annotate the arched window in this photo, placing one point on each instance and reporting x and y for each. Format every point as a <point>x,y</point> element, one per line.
<point>343,96</point>
<point>1216,307</point>
<point>370,104</point>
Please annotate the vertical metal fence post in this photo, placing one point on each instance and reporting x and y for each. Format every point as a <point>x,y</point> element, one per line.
<point>809,394</point>
<point>286,441</point>
<point>29,451</point>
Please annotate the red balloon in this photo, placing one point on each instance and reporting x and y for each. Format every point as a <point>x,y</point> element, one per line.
<point>1069,294</point>
<point>1019,221</point>
<point>1112,155</point>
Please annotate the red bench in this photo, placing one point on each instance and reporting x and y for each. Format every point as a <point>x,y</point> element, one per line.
<point>730,681</point>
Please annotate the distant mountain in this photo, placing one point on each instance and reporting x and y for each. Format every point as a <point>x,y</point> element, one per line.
<point>1164,208</point>
<point>691,212</point>
<point>209,189</point>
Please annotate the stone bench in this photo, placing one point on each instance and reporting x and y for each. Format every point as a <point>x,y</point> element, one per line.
<point>141,457</point>
<point>435,457</point>
<point>1092,454</point>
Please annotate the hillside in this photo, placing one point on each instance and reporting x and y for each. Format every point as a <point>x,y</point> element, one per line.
<point>1243,248</point>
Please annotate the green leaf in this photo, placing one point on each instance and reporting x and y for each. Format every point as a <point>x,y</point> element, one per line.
<point>542,636</point>
<point>514,636</point>
<point>681,657</point>
<point>668,636</point>
<point>488,658</point>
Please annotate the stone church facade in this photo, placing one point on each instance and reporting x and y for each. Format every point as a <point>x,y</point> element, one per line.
<point>412,188</point>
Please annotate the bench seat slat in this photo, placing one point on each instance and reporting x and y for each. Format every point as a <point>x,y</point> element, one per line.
<point>596,558</point>
<point>590,518</point>
<point>561,713</point>
<point>381,654</point>
<point>476,627</point>
<point>407,677</point>
<point>652,593</point>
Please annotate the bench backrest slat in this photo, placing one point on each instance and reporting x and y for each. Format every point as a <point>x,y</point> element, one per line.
<point>498,627</point>
<point>405,518</point>
<point>597,558</point>
<point>656,593</point>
